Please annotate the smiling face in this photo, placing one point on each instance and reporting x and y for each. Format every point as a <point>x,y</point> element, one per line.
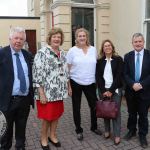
<point>107,48</point>
<point>56,40</point>
<point>81,38</point>
<point>17,40</point>
<point>138,43</point>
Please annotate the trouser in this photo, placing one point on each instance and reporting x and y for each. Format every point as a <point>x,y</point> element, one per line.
<point>117,121</point>
<point>17,113</point>
<point>137,106</point>
<point>90,94</point>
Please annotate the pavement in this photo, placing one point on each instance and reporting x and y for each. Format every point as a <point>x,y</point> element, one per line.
<point>67,136</point>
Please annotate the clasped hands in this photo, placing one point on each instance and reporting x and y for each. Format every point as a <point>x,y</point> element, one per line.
<point>137,86</point>
<point>107,94</point>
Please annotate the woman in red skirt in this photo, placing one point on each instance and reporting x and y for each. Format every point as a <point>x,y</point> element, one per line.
<point>50,78</point>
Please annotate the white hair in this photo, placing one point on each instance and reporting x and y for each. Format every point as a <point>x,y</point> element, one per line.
<point>16,30</point>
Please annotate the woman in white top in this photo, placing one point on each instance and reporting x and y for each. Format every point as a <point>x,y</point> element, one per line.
<point>81,60</point>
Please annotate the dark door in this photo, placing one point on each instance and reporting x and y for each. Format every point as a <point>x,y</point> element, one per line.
<point>31,40</point>
<point>83,17</point>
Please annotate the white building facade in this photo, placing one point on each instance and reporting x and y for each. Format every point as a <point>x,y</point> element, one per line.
<point>104,19</point>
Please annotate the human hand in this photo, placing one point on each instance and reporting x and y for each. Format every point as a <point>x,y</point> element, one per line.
<point>69,91</point>
<point>43,98</point>
<point>137,86</point>
<point>109,93</point>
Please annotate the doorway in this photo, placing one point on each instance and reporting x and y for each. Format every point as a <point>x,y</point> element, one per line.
<point>31,41</point>
<point>83,17</point>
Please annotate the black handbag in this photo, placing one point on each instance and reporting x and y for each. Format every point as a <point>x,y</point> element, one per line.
<point>107,109</point>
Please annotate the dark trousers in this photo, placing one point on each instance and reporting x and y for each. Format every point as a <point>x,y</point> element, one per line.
<point>137,106</point>
<point>90,94</point>
<point>17,114</point>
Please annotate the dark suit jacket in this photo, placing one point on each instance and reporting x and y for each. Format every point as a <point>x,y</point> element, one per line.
<point>129,73</point>
<point>7,77</point>
<point>117,71</point>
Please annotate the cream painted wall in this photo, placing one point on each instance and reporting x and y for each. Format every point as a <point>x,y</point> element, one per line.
<point>30,24</point>
<point>125,20</point>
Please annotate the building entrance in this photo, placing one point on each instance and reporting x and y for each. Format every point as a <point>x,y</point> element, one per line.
<point>83,17</point>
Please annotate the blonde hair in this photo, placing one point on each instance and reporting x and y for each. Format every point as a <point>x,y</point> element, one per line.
<point>54,31</point>
<point>87,35</point>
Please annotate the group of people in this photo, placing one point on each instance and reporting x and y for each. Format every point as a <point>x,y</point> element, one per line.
<point>55,75</point>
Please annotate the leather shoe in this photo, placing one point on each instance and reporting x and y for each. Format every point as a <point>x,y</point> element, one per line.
<point>45,147</point>
<point>107,135</point>
<point>143,141</point>
<point>96,131</point>
<point>80,136</point>
<point>19,148</point>
<point>58,144</point>
<point>129,135</point>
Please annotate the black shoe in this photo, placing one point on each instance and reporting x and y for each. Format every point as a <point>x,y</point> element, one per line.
<point>80,136</point>
<point>143,141</point>
<point>129,135</point>
<point>58,144</point>
<point>45,147</point>
<point>19,148</point>
<point>96,131</point>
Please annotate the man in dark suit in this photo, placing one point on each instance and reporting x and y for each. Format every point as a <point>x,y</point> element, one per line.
<point>137,93</point>
<point>16,92</point>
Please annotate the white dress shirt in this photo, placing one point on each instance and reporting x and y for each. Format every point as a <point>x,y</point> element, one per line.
<point>108,77</point>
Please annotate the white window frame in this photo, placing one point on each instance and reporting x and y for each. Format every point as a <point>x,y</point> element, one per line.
<point>145,20</point>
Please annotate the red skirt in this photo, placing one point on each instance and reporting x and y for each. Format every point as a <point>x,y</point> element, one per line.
<point>50,111</point>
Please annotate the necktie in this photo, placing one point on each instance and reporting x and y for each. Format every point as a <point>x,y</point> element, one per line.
<point>21,75</point>
<point>137,67</point>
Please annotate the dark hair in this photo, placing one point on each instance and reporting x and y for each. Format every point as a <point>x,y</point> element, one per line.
<point>87,35</point>
<point>54,31</point>
<point>102,48</point>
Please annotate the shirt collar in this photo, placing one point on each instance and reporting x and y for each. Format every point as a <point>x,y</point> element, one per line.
<point>108,59</point>
<point>13,51</point>
<point>141,52</point>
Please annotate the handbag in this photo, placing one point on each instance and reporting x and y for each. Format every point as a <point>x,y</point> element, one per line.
<point>107,109</point>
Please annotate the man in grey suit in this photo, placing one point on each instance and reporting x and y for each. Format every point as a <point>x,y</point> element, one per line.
<point>137,92</point>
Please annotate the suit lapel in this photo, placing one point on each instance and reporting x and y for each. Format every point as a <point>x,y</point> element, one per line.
<point>143,63</point>
<point>132,63</point>
<point>9,61</point>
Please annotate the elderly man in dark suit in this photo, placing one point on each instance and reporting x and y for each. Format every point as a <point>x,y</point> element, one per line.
<point>16,92</point>
<point>137,93</point>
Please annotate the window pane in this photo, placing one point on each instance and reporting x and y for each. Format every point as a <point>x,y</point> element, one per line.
<point>147,9</point>
<point>148,36</point>
<point>83,1</point>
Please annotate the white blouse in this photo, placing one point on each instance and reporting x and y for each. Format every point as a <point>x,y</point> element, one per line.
<point>82,65</point>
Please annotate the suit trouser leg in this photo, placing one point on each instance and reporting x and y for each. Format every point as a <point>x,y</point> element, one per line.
<point>117,122</point>
<point>76,104</point>
<point>90,93</point>
<point>6,140</point>
<point>132,105</point>
<point>20,123</point>
<point>143,116</point>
